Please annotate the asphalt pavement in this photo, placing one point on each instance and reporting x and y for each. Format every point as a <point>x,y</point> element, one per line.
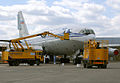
<point>56,73</point>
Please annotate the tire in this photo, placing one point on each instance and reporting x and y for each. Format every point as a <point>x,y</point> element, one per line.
<point>13,63</point>
<point>16,63</point>
<point>10,63</point>
<point>99,66</point>
<point>31,63</point>
<point>38,62</point>
<point>104,66</point>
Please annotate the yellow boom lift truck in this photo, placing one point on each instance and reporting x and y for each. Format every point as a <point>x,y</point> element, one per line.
<point>20,54</point>
<point>95,54</point>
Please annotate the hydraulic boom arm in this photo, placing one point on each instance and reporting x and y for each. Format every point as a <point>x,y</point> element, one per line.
<point>17,40</point>
<point>65,37</point>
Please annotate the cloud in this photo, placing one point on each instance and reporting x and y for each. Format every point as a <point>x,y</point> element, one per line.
<point>115,22</point>
<point>73,4</point>
<point>114,4</point>
<point>73,14</point>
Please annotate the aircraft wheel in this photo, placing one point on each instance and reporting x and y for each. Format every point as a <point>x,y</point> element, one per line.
<point>74,62</point>
<point>85,66</point>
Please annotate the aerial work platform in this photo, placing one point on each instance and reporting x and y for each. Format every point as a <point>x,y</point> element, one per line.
<point>95,54</point>
<point>17,53</point>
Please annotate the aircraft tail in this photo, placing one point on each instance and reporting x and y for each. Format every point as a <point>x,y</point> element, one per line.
<point>22,25</point>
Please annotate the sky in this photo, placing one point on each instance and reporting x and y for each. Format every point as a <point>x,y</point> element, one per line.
<point>103,16</point>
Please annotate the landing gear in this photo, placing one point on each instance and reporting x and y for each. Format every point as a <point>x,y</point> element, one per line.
<point>74,62</point>
<point>85,65</point>
<point>77,60</point>
<point>64,60</point>
<point>78,57</point>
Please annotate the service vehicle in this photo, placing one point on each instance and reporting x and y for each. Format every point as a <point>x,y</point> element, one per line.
<point>95,54</point>
<point>19,54</point>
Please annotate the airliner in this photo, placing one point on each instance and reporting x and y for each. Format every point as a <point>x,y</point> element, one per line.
<point>55,46</point>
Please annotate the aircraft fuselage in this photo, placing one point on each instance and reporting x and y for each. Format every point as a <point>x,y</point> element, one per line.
<point>66,47</point>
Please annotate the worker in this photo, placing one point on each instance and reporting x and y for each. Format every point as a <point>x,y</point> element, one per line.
<point>54,59</point>
<point>98,45</point>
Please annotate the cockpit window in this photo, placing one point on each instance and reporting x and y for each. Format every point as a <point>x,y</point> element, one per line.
<point>87,31</point>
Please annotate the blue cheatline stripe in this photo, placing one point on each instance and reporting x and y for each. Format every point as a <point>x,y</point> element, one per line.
<point>76,36</point>
<point>73,35</point>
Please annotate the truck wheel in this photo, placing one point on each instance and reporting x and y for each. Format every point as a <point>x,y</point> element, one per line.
<point>104,66</point>
<point>37,62</point>
<point>16,63</point>
<point>31,63</point>
<point>99,66</point>
<point>10,63</point>
<point>88,66</point>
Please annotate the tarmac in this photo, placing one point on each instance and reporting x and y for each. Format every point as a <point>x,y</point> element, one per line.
<point>56,73</point>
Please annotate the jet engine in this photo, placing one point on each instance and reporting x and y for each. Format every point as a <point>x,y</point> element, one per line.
<point>113,51</point>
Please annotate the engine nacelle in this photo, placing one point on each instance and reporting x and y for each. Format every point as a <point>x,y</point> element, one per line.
<point>113,51</point>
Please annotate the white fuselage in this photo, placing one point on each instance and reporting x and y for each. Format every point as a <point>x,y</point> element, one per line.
<point>55,46</point>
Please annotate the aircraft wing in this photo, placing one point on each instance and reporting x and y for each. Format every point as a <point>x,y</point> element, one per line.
<point>5,40</point>
<point>114,42</point>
